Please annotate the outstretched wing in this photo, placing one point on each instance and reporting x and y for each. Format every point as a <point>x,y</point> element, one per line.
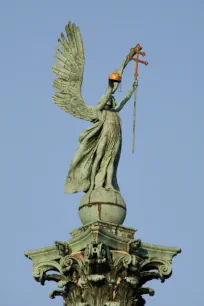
<point>69,75</point>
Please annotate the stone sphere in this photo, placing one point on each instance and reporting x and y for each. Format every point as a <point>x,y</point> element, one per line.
<point>102,205</point>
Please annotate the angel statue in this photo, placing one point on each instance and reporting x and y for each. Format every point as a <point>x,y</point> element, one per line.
<point>96,160</point>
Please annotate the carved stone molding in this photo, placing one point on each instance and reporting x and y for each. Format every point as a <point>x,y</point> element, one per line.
<point>100,274</point>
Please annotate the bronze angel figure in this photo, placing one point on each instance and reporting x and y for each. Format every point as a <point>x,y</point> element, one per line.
<point>96,160</point>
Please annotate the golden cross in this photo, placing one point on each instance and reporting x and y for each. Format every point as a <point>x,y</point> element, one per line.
<point>137,51</point>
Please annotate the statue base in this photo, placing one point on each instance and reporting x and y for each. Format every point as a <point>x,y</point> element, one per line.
<point>111,208</point>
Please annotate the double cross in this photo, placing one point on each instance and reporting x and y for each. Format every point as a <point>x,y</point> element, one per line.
<point>137,51</point>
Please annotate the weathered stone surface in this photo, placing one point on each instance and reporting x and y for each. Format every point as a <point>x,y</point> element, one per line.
<point>102,264</point>
<point>104,205</point>
<point>110,267</point>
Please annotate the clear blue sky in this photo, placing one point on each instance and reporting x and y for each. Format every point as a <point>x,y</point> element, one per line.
<point>162,183</point>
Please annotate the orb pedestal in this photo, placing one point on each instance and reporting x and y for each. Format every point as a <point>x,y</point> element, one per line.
<point>102,205</point>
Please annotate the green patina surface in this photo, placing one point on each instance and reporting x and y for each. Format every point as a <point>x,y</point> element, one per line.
<point>96,160</point>
<point>102,264</point>
<point>102,204</point>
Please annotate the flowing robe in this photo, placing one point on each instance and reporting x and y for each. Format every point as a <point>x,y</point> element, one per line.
<point>96,160</point>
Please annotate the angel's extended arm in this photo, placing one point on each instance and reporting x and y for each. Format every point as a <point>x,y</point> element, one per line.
<point>104,99</point>
<point>120,105</point>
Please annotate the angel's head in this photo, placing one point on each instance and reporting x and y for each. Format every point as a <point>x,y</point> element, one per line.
<point>111,103</point>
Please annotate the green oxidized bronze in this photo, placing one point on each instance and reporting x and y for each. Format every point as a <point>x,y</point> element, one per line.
<point>93,169</point>
<point>95,162</point>
<point>102,264</point>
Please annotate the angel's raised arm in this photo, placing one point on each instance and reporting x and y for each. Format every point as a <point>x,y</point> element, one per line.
<point>104,99</point>
<point>69,75</point>
<point>120,105</point>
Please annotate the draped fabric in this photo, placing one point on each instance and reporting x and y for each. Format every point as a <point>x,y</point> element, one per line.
<point>96,160</point>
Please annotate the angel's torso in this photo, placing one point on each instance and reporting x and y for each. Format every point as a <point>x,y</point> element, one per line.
<point>111,126</point>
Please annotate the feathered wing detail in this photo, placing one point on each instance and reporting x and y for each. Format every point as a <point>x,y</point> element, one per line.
<point>69,75</point>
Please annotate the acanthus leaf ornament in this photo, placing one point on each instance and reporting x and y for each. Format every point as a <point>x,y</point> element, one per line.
<point>102,264</point>
<point>98,273</point>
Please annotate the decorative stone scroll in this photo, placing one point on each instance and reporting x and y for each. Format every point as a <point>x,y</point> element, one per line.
<point>99,274</point>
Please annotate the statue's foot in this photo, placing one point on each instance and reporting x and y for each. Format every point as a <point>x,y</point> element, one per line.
<point>110,188</point>
<point>91,188</point>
